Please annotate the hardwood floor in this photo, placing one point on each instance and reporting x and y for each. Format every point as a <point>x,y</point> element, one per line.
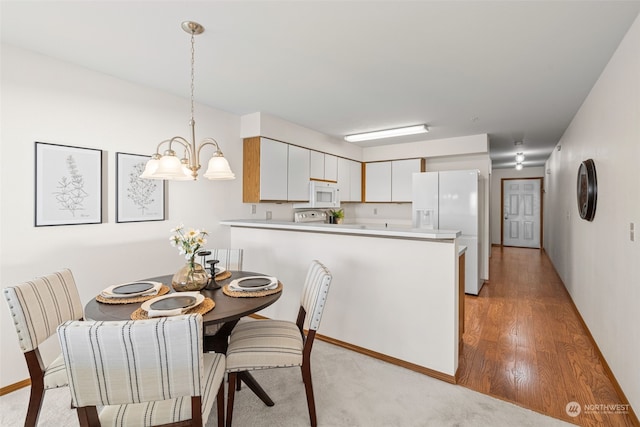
<point>525,343</point>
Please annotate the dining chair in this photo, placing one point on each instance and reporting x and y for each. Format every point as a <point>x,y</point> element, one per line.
<point>37,307</point>
<point>230,259</point>
<point>142,372</point>
<point>265,344</point>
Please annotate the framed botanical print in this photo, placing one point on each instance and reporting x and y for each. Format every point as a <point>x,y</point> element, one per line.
<point>68,185</point>
<point>137,199</point>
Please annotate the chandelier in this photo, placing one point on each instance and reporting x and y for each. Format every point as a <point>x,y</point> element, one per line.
<point>168,165</point>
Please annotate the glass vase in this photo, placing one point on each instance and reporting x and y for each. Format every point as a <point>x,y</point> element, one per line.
<point>191,277</point>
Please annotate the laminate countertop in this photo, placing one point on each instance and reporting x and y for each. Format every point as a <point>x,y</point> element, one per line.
<point>353,229</point>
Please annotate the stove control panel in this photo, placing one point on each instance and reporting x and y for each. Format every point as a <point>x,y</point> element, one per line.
<point>314,215</point>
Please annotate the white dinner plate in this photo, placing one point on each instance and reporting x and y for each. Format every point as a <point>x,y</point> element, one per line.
<point>181,301</point>
<point>253,283</point>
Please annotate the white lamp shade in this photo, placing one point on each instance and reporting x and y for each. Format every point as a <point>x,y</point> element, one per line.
<point>519,166</point>
<point>150,168</point>
<point>218,168</point>
<point>520,157</point>
<point>169,167</point>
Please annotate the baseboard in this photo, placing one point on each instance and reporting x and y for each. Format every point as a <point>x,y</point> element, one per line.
<point>15,386</point>
<point>605,365</point>
<point>380,356</point>
<point>389,359</point>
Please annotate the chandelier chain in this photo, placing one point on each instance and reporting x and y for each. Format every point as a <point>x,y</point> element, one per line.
<point>193,54</point>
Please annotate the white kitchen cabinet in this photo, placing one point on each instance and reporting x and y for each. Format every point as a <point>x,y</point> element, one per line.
<point>323,166</point>
<point>273,169</point>
<point>355,190</point>
<point>330,167</point>
<point>316,165</point>
<point>378,182</point>
<point>349,180</point>
<point>390,181</point>
<point>401,178</point>
<point>298,174</point>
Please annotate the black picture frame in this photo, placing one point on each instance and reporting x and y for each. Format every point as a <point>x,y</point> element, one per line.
<point>587,190</point>
<point>68,185</point>
<point>137,199</point>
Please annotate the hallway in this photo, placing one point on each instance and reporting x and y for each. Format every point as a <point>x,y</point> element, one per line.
<point>525,343</point>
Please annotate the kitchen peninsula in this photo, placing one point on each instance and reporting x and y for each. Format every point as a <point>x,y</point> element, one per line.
<point>394,293</point>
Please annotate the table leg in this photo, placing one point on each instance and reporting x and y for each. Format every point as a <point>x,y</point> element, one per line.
<point>219,341</point>
<point>248,379</point>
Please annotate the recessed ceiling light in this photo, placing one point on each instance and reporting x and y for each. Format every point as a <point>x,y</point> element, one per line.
<point>387,133</point>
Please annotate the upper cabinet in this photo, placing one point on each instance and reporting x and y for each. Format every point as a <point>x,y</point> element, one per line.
<point>390,181</point>
<point>377,182</point>
<point>401,178</point>
<point>298,174</point>
<point>274,171</point>
<point>349,180</point>
<point>323,166</point>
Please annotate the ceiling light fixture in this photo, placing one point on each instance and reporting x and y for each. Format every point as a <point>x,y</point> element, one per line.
<point>518,166</point>
<point>520,157</point>
<point>409,130</point>
<point>168,166</point>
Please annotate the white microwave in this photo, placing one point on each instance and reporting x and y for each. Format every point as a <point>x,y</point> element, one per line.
<point>322,195</point>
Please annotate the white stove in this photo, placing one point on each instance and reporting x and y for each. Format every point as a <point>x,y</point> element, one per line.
<point>310,216</point>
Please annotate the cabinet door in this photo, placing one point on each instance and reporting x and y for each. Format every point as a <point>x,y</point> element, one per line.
<point>401,178</point>
<point>344,179</point>
<point>378,182</point>
<point>273,170</point>
<point>317,165</point>
<point>330,167</point>
<point>355,190</point>
<point>298,176</point>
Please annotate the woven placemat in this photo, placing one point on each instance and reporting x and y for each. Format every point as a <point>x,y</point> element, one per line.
<point>247,294</point>
<point>202,308</point>
<point>142,298</point>
<point>224,275</point>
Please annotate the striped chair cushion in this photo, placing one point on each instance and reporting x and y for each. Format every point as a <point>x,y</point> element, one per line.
<point>314,295</point>
<point>113,363</point>
<point>172,410</point>
<point>39,306</point>
<point>264,344</point>
<point>56,374</point>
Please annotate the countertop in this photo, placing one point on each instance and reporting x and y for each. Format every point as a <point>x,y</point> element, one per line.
<point>354,229</point>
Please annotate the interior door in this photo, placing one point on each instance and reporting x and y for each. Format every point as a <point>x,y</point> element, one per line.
<point>521,212</point>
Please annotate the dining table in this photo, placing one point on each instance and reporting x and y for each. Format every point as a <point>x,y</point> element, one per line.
<point>228,310</point>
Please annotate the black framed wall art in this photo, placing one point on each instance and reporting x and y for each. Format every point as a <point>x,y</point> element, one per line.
<point>137,199</point>
<point>587,190</point>
<point>68,185</point>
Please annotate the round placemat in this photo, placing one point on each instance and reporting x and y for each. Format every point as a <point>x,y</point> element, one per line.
<point>141,298</point>
<point>202,308</point>
<point>224,275</point>
<point>249,294</point>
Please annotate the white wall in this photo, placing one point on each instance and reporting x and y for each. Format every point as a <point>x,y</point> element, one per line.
<point>596,260</point>
<point>50,101</point>
<point>497,176</point>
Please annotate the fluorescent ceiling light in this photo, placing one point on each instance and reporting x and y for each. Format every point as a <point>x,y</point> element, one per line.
<point>409,130</point>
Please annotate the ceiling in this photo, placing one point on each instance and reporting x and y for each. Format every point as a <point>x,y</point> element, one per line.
<point>515,70</point>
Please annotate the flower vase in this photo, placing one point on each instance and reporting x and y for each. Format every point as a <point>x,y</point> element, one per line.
<point>191,277</point>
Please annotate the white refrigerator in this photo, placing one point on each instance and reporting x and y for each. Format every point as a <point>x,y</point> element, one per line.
<point>448,200</point>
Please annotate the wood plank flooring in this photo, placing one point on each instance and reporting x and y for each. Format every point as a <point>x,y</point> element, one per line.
<point>525,343</point>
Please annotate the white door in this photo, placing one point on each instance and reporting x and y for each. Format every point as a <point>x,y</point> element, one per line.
<point>521,212</point>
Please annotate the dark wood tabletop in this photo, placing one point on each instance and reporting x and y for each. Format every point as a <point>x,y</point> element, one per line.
<point>227,309</point>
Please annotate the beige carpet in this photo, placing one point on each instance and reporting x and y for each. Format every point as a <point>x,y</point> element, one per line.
<point>351,390</point>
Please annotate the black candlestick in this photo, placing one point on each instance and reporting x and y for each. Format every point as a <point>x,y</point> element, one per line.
<point>212,281</point>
